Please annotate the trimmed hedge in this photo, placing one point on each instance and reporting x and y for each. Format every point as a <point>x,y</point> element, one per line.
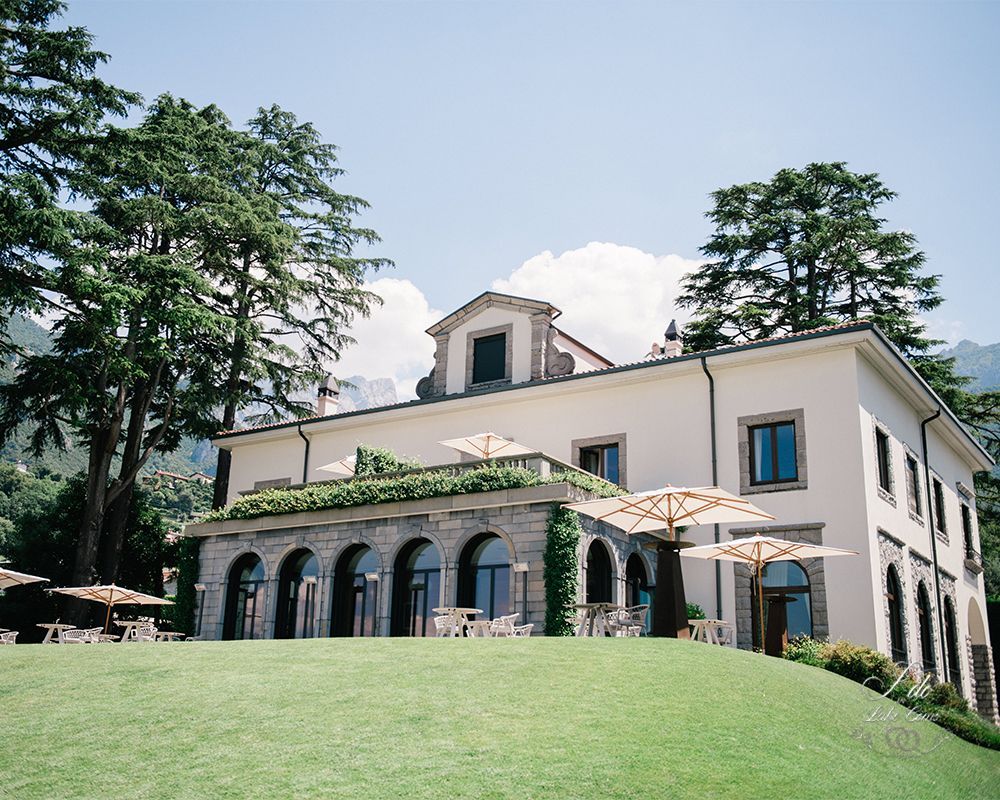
<point>416,486</point>
<point>561,568</point>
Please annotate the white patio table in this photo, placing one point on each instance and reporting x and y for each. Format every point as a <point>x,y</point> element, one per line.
<point>459,614</point>
<point>711,631</point>
<point>595,619</point>
<point>54,629</point>
<point>131,627</point>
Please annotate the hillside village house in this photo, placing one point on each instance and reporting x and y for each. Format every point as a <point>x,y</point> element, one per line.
<point>831,431</point>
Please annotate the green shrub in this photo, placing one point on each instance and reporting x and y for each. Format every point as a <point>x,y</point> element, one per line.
<point>967,725</point>
<point>945,696</point>
<point>805,650</point>
<point>860,663</point>
<point>695,611</point>
<point>374,460</point>
<point>562,541</point>
<point>394,489</point>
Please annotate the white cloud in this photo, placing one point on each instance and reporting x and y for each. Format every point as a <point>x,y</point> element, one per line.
<point>616,299</point>
<point>391,343</point>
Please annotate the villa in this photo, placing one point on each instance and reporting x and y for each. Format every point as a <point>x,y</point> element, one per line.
<point>831,431</point>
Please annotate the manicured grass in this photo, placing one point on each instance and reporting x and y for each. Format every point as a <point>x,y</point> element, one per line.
<point>386,718</point>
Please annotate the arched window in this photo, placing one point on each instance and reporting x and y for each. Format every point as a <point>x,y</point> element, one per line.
<point>484,576</point>
<point>637,585</point>
<point>894,594</point>
<point>599,576</point>
<point>355,592</point>
<point>295,617</point>
<point>785,579</point>
<point>416,589</point>
<point>924,622</point>
<point>244,618</point>
<point>951,643</point>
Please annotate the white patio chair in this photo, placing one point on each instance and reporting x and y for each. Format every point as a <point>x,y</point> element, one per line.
<point>634,620</point>
<point>76,636</point>
<point>445,625</point>
<point>146,633</point>
<point>8,637</point>
<point>504,626</point>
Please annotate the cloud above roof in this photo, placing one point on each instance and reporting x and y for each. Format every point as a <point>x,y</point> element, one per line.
<point>614,298</point>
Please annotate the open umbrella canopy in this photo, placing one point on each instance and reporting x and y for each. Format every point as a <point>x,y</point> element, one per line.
<point>761,550</point>
<point>10,578</point>
<point>112,596</point>
<point>345,466</point>
<point>757,552</point>
<point>487,445</point>
<point>669,507</point>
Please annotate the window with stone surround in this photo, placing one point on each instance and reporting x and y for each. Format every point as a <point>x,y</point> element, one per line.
<point>883,460</point>
<point>967,536</point>
<point>897,631</point>
<point>924,624</point>
<point>604,456</point>
<point>489,357</point>
<point>940,525</point>
<point>772,449</point>
<point>912,469</point>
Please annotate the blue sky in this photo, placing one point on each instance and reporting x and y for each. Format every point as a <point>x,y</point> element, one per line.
<point>487,133</point>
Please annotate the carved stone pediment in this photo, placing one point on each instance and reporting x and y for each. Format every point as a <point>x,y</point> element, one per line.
<point>556,361</point>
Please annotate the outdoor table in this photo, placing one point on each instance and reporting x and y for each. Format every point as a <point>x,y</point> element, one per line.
<point>54,628</point>
<point>131,629</point>
<point>460,615</point>
<point>595,619</point>
<point>168,636</point>
<point>479,627</point>
<point>707,630</point>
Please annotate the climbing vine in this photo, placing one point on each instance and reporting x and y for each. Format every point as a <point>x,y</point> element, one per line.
<point>561,568</point>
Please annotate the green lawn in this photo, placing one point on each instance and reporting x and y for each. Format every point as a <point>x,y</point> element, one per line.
<point>387,718</point>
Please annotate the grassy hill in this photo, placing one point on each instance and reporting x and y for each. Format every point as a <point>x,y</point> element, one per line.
<point>380,718</point>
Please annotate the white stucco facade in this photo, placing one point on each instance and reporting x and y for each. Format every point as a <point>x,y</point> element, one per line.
<point>837,384</point>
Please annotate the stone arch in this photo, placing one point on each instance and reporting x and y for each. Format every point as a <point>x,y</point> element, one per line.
<point>981,675</point>
<point>301,544</point>
<point>597,585</point>
<point>496,595</point>
<point>471,533</point>
<point>977,627</point>
<point>404,541</point>
<point>236,556</point>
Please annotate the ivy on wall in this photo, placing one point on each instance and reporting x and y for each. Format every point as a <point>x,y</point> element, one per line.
<point>561,570</point>
<point>398,488</point>
<point>183,610</point>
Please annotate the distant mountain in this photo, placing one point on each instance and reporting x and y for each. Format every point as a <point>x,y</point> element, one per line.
<point>363,393</point>
<point>981,362</point>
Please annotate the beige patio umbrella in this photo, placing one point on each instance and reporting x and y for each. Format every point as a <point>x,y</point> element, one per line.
<point>660,511</point>
<point>345,466</point>
<point>113,596</point>
<point>487,445</point>
<point>10,578</point>
<point>758,551</point>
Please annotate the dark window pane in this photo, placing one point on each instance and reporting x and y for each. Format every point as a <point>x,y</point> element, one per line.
<point>882,455</point>
<point>489,355</point>
<point>786,452</point>
<point>590,460</point>
<point>611,463</point>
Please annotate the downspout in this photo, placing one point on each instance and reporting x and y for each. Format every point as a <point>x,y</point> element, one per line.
<point>305,456</point>
<point>933,532</point>
<point>715,479</point>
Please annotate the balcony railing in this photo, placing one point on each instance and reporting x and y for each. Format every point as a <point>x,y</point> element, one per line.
<point>973,561</point>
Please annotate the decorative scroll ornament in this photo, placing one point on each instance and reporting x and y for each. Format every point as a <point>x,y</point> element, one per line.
<point>556,361</point>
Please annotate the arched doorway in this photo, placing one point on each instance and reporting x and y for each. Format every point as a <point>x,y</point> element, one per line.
<point>295,616</point>
<point>599,573</point>
<point>484,575</point>
<point>637,585</point>
<point>245,591</point>
<point>924,626</point>
<point>416,589</point>
<point>984,698</point>
<point>355,592</point>
<point>894,596</point>
<point>785,579</point>
<point>951,645</point>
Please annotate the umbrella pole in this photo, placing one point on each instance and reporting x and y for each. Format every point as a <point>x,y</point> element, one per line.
<point>107,618</point>
<point>760,601</point>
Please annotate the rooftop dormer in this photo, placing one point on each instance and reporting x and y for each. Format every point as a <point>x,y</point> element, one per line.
<point>499,339</point>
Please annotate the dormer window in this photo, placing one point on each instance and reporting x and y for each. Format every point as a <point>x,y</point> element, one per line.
<point>489,358</point>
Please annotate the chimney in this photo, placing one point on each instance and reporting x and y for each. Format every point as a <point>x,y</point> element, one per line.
<point>328,397</point>
<point>673,345</point>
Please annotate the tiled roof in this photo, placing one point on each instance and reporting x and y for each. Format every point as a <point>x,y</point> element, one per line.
<point>861,324</point>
